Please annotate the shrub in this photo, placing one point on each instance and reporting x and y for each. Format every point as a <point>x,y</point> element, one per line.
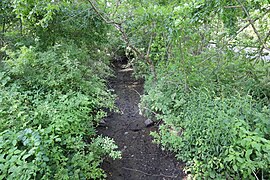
<point>217,137</point>
<point>51,103</point>
<point>215,122</point>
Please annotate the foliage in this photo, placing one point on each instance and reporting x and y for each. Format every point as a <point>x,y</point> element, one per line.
<point>218,137</point>
<point>209,87</point>
<point>209,120</point>
<point>53,92</point>
<point>46,99</point>
<point>206,80</point>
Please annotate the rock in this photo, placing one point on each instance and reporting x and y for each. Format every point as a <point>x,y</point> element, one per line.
<point>126,133</point>
<point>148,122</point>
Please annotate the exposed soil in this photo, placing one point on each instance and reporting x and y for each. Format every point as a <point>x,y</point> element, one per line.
<point>141,159</point>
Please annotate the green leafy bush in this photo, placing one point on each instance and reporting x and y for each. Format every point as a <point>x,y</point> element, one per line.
<point>209,120</point>
<point>218,137</point>
<point>51,103</point>
<point>53,91</point>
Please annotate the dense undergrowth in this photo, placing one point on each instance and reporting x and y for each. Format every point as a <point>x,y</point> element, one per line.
<point>207,81</point>
<point>218,128</point>
<point>213,104</point>
<point>53,94</point>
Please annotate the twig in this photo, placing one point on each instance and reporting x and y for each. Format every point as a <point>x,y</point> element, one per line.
<point>150,110</point>
<point>228,7</point>
<point>149,46</point>
<point>250,20</point>
<point>158,123</point>
<point>100,15</point>
<point>252,24</point>
<point>265,40</point>
<point>147,174</point>
<point>116,8</point>
<point>135,112</point>
<point>244,27</point>
<point>255,175</point>
<point>136,91</point>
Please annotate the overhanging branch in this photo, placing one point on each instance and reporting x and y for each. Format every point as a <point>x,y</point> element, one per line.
<point>125,38</point>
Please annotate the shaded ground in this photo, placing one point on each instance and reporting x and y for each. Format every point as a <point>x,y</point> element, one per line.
<point>141,159</point>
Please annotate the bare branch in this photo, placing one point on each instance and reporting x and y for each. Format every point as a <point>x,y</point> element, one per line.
<point>255,175</point>
<point>107,20</point>
<point>254,20</point>
<point>149,46</point>
<point>251,22</point>
<point>229,7</point>
<point>265,40</point>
